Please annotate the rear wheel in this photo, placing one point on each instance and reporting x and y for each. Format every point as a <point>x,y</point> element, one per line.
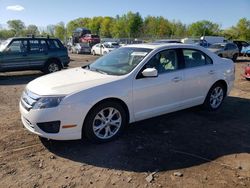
<point>93,52</point>
<point>215,97</point>
<point>52,66</point>
<point>104,122</point>
<point>220,55</point>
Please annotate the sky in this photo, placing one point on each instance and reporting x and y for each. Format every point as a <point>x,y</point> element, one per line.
<point>44,12</point>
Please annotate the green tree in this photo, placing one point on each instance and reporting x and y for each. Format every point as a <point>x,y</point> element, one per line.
<point>17,26</point>
<point>134,24</point>
<point>79,22</point>
<point>4,33</point>
<point>32,30</point>
<point>178,29</point>
<point>60,31</point>
<point>203,27</point>
<point>118,27</point>
<point>106,26</point>
<point>157,27</point>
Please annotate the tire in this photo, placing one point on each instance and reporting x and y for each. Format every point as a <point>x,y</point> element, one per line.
<point>220,55</point>
<point>99,118</point>
<point>234,57</point>
<point>52,66</point>
<point>248,79</point>
<point>212,102</point>
<point>93,53</point>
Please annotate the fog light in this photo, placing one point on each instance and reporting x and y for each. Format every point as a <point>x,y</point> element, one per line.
<point>50,127</point>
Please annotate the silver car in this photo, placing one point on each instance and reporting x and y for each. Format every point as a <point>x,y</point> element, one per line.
<point>227,50</point>
<point>81,48</point>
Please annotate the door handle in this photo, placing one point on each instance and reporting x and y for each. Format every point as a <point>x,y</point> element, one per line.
<point>176,79</point>
<point>211,72</point>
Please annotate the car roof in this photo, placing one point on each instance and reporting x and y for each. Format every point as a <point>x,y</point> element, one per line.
<point>160,45</point>
<point>32,38</point>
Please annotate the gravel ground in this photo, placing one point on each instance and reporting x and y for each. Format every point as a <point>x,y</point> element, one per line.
<point>190,148</point>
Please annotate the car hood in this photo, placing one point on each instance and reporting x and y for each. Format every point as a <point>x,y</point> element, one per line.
<point>68,81</point>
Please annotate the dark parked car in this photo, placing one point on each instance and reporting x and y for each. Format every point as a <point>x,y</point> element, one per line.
<point>33,53</point>
<point>81,48</point>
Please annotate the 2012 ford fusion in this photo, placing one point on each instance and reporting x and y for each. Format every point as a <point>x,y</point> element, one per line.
<point>130,84</point>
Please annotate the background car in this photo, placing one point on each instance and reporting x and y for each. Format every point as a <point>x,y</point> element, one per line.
<point>33,53</point>
<point>81,48</point>
<point>104,48</point>
<point>246,51</point>
<point>90,38</point>
<point>227,50</point>
<point>241,45</point>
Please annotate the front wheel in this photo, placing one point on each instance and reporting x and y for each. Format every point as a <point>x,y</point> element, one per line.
<point>105,122</point>
<point>215,97</point>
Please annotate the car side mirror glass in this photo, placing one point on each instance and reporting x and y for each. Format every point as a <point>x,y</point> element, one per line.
<point>150,72</point>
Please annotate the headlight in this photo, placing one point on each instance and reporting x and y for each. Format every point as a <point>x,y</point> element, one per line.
<point>47,102</point>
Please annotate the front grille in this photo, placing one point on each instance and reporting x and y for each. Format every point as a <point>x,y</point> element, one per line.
<point>29,99</point>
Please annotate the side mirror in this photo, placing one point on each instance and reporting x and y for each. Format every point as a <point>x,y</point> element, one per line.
<point>150,72</point>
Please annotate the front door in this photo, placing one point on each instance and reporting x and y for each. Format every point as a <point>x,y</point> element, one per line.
<point>158,95</point>
<point>15,56</point>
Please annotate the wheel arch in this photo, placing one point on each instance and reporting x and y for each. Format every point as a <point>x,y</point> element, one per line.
<point>223,83</point>
<point>54,59</point>
<point>112,99</point>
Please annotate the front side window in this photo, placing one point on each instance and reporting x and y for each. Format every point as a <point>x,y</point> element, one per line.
<point>164,61</point>
<point>120,61</point>
<point>18,46</point>
<point>195,58</point>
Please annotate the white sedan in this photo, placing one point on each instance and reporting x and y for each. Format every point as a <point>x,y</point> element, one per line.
<point>132,83</point>
<point>104,48</point>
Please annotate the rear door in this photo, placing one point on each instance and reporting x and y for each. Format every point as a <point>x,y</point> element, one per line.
<point>15,55</point>
<point>199,75</point>
<point>38,52</point>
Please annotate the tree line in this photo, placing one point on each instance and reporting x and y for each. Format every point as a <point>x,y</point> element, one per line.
<point>131,25</point>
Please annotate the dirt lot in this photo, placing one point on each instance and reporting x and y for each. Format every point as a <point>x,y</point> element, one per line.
<point>190,148</point>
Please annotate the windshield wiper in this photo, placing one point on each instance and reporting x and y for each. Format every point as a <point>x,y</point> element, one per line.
<point>98,70</point>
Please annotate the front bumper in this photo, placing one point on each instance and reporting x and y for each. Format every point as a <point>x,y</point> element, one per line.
<point>66,114</point>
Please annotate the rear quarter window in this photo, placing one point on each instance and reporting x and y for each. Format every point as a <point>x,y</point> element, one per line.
<point>54,44</point>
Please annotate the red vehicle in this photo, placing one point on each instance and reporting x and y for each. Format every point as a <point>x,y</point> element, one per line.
<point>247,72</point>
<point>90,38</point>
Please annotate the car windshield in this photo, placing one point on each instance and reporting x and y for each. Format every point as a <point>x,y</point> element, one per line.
<point>4,44</point>
<point>120,61</point>
<point>217,46</point>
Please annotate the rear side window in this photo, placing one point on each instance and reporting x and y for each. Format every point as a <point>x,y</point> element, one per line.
<point>34,46</point>
<point>195,58</point>
<point>53,44</point>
